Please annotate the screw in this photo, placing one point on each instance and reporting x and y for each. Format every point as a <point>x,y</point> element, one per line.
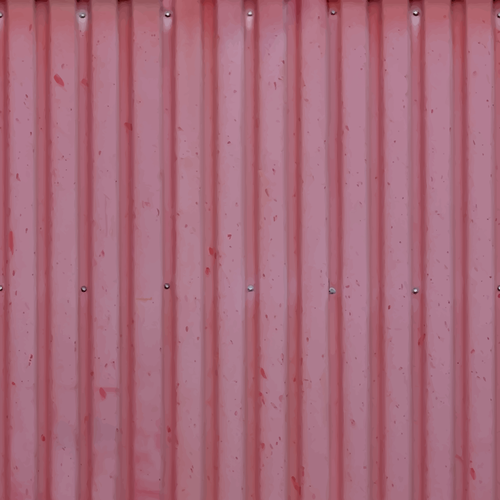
<point>166,286</point>
<point>498,288</point>
<point>84,288</point>
<point>250,13</point>
<point>331,290</point>
<point>168,14</point>
<point>250,288</point>
<point>416,13</point>
<point>333,12</point>
<point>82,15</point>
<point>1,288</point>
<point>498,14</point>
<point>415,291</point>
<point>1,14</point>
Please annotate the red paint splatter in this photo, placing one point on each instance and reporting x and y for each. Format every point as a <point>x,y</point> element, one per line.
<point>17,177</point>
<point>43,437</point>
<point>13,383</point>
<point>263,373</point>
<point>210,250</point>
<point>84,82</point>
<point>262,398</point>
<point>389,307</point>
<point>58,80</point>
<point>11,242</point>
<point>102,392</point>
<point>473,351</point>
<point>263,446</point>
<point>169,429</point>
<point>128,126</point>
<point>472,473</point>
<point>353,422</point>
<point>421,339</point>
<point>31,359</point>
<point>31,27</point>
<point>229,236</point>
<point>207,271</point>
<point>296,485</point>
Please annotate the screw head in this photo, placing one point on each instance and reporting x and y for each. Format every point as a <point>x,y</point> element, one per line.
<point>168,14</point>
<point>250,13</point>
<point>84,288</point>
<point>498,288</point>
<point>498,14</point>
<point>332,290</point>
<point>333,12</point>
<point>415,291</point>
<point>250,288</point>
<point>416,12</point>
<point>82,15</point>
<point>166,286</point>
<point>1,14</point>
<point>1,288</point>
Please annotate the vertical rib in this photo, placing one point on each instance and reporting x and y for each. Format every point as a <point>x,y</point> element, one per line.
<point>189,255</point>
<point>251,128</point>
<point>85,413</point>
<point>43,265</point>
<point>103,201</point>
<point>479,285</point>
<point>395,275</point>
<point>355,244</point>
<point>20,286</point>
<point>168,490</point>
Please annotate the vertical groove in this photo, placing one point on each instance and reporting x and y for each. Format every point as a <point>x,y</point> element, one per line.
<point>292,137</point>
<point>43,215</point>
<point>126,253</point>
<point>210,251</point>
<point>4,435</point>
<point>376,193</point>
<point>298,181</point>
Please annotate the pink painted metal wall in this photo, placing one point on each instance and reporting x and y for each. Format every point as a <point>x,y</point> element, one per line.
<point>249,250</point>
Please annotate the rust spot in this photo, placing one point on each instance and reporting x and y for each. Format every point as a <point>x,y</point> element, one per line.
<point>296,485</point>
<point>102,392</point>
<point>263,373</point>
<point>58,80</point>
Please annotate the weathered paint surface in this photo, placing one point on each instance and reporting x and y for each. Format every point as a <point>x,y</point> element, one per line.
<point>249,250</point>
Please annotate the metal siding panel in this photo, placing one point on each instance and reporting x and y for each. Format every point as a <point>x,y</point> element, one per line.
<point>248,249</point>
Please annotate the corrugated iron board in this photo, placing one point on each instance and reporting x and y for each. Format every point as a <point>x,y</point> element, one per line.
<point>249,250</point>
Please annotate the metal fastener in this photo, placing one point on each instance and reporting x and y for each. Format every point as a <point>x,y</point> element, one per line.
<point>84,288</point>
<point>415,290</point>
<point>333,12</point>
<point>416,12</point>
<point>168,14</point>
<point>82,15</point>
<point>1,288</point>
<point>331,290</point>
<point>250,13</point>
<point>498,288</point>
<point>498,14</point>
<point>250,288</point>
<point>166,286</point>
<point>1,14</point>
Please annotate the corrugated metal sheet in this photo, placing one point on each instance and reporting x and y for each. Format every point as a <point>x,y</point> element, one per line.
<point>249,250</point>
